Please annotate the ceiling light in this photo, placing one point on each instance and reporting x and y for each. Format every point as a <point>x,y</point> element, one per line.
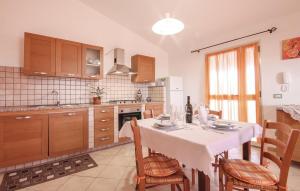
<point>168,26</point>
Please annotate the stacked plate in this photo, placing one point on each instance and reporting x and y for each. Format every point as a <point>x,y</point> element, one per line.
<point>223,126</point>
<point>164,124</point>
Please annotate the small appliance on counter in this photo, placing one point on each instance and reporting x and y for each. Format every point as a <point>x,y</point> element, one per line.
<point>148,99</point>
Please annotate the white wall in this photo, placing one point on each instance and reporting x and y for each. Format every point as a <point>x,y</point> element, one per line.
<point>72,20</point>
<point>191,66</point>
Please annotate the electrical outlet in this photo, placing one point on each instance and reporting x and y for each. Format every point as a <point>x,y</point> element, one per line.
<point>277,96</point>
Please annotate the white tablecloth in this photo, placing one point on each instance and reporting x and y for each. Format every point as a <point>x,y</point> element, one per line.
<point>193,146</point>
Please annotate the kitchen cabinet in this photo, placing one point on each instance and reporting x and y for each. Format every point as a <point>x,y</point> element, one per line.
<point>158,108</point>
<point>68,132</point>
<point>68,58</point>
<point>103,125</point>
<point>23,138</point>
<point>39,55</point>
<point>92,62</point>
<point>144,66</point>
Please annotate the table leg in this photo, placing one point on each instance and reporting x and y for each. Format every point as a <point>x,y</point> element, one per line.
<point>203,182</point>
<point>247,151</point>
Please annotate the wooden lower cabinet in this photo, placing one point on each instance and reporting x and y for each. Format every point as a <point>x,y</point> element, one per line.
<point>23,138</point>
<point>158,108</point>
<point>103,126</point>
<point>68,132</point>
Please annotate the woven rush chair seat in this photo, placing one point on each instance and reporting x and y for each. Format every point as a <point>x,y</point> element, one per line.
<point>159,166</point>
<point>249,172</point>
<point>177,177</point>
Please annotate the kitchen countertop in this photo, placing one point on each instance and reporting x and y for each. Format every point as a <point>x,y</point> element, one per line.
<point>54,107</point>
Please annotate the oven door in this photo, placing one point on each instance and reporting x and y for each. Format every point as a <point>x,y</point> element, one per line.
<point>124,117</point>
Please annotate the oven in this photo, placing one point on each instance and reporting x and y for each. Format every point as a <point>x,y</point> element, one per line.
<point>126,114</point>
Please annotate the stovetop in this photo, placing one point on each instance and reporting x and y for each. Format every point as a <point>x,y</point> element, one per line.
<point>122,101</point>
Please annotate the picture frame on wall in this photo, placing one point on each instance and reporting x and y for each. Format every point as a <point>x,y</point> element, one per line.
<point>291,48</point>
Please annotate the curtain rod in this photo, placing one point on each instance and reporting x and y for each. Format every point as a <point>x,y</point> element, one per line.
<point>271,30</point>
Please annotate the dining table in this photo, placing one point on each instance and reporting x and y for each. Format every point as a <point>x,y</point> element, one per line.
<point>195,144</point>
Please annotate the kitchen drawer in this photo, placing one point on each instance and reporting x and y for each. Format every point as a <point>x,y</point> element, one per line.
<point>103,141</point>
<point>101,122</point>
<point>104,131</point>
<point>104,112</point>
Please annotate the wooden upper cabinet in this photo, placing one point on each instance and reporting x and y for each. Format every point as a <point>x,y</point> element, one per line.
<point>23,138</point>
<point>144,66</point>
<point>68,58</point>
<point>92,62</point>
<point>68,132</point>
<point>39,55</point>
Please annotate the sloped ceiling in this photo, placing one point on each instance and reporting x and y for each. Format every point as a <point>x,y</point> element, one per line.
<point>203,19</point>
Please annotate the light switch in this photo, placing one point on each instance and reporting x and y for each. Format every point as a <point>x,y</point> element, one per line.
<point>277,96</point>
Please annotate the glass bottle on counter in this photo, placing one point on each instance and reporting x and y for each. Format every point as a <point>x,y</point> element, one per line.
<point>189,111</point>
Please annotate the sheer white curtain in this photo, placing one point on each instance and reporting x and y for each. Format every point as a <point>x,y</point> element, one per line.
<point>223,83</point>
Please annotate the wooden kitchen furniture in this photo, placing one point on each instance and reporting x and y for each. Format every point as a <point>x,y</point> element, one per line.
<point>157,107</point>
<point>23,137</point>
<point>286,118</point>
<point>39,55</point>
<point>48,56</point>
<point>103,125</point>
<point>144,66</point>
<point>68,132</point>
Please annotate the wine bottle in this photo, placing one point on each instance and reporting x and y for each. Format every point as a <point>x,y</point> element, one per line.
<point>188,111</point>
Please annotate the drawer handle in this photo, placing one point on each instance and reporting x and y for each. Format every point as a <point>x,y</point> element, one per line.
<point>93,76</point>
<point>23,117</point>
<point>70,74</point>
<point>71,114</point>
<point>41,73</point>
<point>103,111</point>
<point>103,120</point>
<point>104,129</point>
<point>104,138</point>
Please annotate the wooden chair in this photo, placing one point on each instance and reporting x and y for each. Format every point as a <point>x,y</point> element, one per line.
<point>218,156</point>
<point>156,169</point>
<point>241,174</point>
<point>149,114</point>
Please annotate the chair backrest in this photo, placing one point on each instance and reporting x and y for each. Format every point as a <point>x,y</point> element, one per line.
<point>217,113</point>
<point>138,148</point>
<point>148,114</point>
<point>286,146</point>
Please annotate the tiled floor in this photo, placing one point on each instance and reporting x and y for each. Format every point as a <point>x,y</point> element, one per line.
<point>116,172</point>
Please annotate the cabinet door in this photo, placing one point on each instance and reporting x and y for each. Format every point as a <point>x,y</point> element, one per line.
<point>158,108</point>
<point>92,62</point>
<point>39,55</point>
<point>68,58</point>
<point>144,66</point>
<point>68,132</point>
<point>23,138</point>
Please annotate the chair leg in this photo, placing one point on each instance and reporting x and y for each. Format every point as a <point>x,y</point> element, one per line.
<point>186,184</point>
<point>226,154</point>
<point>193,176</point>
<point>221,183</point>
<point>172,187</point>
<point>149,152</point>
<point>216,163</point>
<point>141,186</point>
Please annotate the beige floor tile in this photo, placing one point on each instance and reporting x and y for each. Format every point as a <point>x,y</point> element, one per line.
<point>102,159</point>
<point>93,172</point>
<point>51,185</point>
<point>123,161</point>
<point>103,184</point>
<point>115,172</point>
<point>76,183</point>
<point>108,152</point>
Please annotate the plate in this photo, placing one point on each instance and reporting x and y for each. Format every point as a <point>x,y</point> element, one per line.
<point>164,124</point>
<point>227,127</point>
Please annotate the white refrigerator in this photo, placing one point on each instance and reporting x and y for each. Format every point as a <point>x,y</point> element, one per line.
<point>174,93</point>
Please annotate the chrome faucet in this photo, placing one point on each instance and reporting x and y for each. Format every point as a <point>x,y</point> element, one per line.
<point>55,92</point>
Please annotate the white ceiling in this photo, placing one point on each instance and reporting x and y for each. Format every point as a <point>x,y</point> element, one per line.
<point>202,18</point>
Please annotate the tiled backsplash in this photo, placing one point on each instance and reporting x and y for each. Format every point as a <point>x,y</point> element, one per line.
<point>17,89</point>
<point>157,93</point>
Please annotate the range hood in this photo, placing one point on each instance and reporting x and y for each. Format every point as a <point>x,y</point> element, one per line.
<point>119,68</point>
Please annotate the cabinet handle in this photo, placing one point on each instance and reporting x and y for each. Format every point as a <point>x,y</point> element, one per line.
<point>23,117</point>
<point>71,114</point>
<point>103,111</point>
<point>103,120</point>
<point>41,73</point>
<point>93,76</point>
<point>104,129</point>
<point>70,74</point>
<point>104,138</point>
